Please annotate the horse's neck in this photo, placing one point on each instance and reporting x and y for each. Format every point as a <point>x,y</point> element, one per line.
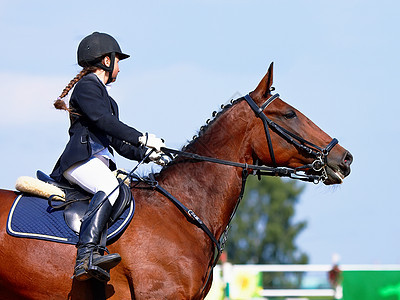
<point>225,137</point>
<point>212,190</point>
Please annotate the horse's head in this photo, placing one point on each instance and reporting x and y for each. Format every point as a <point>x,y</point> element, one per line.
<point>295,141</point>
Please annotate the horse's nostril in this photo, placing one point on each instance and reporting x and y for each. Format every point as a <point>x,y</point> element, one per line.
<point>345,165</point>
<point>348,159</point>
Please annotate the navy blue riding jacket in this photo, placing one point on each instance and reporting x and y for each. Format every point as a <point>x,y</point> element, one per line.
<point>96,121</point>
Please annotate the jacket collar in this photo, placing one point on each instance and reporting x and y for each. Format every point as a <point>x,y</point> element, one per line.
<point>107,86</point>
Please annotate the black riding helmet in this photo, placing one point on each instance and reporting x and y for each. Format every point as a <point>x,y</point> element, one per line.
<point>94,47</point>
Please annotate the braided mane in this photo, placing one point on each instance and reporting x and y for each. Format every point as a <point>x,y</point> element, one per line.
<point>210,122</point>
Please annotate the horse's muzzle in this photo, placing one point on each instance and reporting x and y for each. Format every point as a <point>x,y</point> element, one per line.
<point>338,169</point>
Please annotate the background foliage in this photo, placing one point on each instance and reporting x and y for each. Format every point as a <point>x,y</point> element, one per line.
<point>263,230</point>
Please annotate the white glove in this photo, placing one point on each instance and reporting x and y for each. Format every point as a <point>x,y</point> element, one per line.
<point>151,141</point>
<point>158,157</point>
<point>163,160</point>
<point>154,155</point>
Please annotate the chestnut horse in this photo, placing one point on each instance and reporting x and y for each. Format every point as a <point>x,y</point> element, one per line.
<point>163,255</point>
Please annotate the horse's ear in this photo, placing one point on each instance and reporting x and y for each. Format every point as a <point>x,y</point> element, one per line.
<point>265,84</point>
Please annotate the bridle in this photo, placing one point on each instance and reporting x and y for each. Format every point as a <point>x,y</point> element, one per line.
<point>320,154</point>
<point>319,164</point>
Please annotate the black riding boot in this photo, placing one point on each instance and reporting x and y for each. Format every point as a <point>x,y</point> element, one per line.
<point>89,261</point>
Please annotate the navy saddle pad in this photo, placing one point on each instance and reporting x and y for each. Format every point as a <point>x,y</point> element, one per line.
<point>32,217</point>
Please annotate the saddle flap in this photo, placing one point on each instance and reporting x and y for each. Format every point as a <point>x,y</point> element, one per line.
<point>75,211</point>
<point>122,202</point>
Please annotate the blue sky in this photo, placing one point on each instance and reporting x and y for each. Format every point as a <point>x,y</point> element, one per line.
<point>336,61</point>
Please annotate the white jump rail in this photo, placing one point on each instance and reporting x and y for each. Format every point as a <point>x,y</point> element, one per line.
<point>298,293</point>
<point>315,268</point>
<point>308,268</point>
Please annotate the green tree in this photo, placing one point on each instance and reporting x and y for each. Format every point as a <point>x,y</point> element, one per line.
<point>263,230</point>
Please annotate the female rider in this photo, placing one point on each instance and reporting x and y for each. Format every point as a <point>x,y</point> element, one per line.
<point>87,160</point>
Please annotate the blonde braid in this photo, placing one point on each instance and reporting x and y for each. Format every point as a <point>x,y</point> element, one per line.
<point>60,103</point>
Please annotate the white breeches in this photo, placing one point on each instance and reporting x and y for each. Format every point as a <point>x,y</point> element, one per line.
<point>94,176</point>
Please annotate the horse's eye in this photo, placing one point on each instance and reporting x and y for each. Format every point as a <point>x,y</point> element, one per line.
<point>290,115</point>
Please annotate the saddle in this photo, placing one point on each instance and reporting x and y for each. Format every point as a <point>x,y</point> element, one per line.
<point>78,201</point>
<point>51,219</point>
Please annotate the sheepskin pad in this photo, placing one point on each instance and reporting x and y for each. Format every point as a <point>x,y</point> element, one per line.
<point>38,188</point>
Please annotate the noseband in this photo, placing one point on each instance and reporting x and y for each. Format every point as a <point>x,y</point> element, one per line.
<point>320,154</point>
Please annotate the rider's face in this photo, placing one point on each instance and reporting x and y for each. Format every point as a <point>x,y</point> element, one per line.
<point>107,62</point>
<point>116,68</point>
